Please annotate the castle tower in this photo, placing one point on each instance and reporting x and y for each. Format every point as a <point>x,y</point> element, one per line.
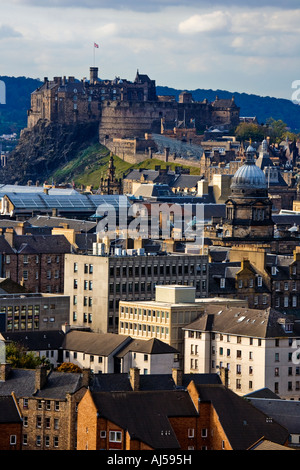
<point>249,209</point>
<point>93,75</point>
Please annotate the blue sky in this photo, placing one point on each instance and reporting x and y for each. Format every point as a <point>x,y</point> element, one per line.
<point>252,47</point>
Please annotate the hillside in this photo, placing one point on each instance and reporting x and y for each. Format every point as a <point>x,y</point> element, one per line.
<point>91,164</point>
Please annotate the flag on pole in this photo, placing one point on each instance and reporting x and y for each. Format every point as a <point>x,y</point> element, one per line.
<point>96,45</point>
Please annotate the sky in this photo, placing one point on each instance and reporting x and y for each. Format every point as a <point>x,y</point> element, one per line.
<point>250,47</point>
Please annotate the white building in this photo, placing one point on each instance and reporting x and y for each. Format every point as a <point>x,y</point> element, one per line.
<point>111,353</point>
<point>256,348</point>
<point>149,356</point>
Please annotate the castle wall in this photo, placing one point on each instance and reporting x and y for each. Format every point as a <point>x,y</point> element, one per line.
<point>121,119</point>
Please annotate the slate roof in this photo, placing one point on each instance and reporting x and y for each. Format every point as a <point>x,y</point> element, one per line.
<point>151,346</point>
<point>262,393</point>
<point>100,344</point>
<point>186,181</point>
<point>242,321</point>
<point>121,382</point>
<point>243,424</point>
<point>8,286</point>
<point>8,410</point>
<point>22,383</point>
<point>31,244</point>
<point>284,412</point>
<point>76,224</point>
<point>145,415</point>
<point>36,340</point>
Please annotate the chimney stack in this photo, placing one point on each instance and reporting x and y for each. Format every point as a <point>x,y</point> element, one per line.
<point>86,375</point>
<point>40,377</point>
<point>4,371</point>
<point>177,375</point>
<point>9,236</point>
<point>135,378</point>
<point>224,376</point>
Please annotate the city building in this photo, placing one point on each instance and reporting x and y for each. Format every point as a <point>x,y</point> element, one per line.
<point>33,312</point>
<point>200,416</point>
<point>256,347</point>
<point>48,404</point>
<point>96,284</point>
<point>150,357</point>
<point>165,317</point>
<point>10,423</point>
<point>94,351</point>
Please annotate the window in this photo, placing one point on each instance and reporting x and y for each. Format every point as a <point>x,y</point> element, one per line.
<point>222,283</point>
<point>191,432</point>
<point>115,436</point>
<point>13,440</point>
<point>259,281</point>
<point>103,434</point>
<point>204,432</point>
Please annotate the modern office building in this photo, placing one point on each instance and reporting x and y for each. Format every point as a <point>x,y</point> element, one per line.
<point>33,312</point>
<point>163,318</point>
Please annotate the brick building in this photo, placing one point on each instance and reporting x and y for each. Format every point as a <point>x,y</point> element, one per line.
<point>199,416</point>
<point>34,261</point>
<point>10,424</point>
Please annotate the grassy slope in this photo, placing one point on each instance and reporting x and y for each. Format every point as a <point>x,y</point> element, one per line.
<point>91,165</point>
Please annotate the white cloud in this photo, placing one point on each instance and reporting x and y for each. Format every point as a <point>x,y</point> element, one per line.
<point>209,22</point>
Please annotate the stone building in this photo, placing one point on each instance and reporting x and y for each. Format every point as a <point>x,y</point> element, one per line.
<point>48,403</point>
<point>122,108</point>
<point>255,346</point>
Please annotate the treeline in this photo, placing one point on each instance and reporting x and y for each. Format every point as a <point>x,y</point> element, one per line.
<point>13,114</point>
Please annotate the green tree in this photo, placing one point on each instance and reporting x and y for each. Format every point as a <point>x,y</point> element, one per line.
<point>277,130</point>
<point>248,130</point>
<point>19,357</point>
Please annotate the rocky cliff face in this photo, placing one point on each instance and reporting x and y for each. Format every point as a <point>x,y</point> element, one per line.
<point>44,148</point>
